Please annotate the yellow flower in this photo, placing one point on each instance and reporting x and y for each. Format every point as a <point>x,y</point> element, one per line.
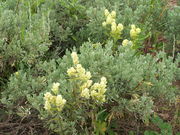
<point>138,30</point>
<point>108,19</point>
<point>88,75</point>
<point>133,26</point>
<point>125,42</point>
<point>85,93</point>
<point>60,102</point>
<point>113,14</point>
<point>55,87</point>
<point>16,73</point>
<point>113,27</point>
<point>133,33</point>
<point>120,27</point>
<point>103,80</point>
<point>98,90</point>
<point>106,12</point>
<point>75,58</point>
<point>47,106</point>
<point>71,71</point>
<point>104,24</point>
<point>86,84</point>
<point>94,93</point>
<point>47,96</point>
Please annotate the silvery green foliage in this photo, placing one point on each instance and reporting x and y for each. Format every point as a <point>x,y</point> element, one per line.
<point>134,81</point>
<point>154,19</point>
<point>24,36</point>
<point>174,28</point>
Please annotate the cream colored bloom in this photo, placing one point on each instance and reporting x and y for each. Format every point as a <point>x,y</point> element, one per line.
<point>47,96</point>
<point>86,84</point>
<point>60,102</point>
<point>120,27</point>
<point>85,93</point>
<point>104,24</point>
<point>113,14</point>
<point>109,19</point>
<point>113,27</point>
<point>94,93</point>
<point>103,80</point>
<point>55,87</point>
<point>125,42</point>
<point>138,30</point>
<point>71,71</point>
<point>133,26</point>
<point>16,73</point>
<point>88,75</point>
<point>106,12</point>
<point>47,105</point>
<point>133,33</point>
<point>75,58</point>
<point>98,90</point>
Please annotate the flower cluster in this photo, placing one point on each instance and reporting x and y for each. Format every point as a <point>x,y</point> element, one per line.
<point>78,72</point>
<point>54,102</point>
<point>134,31</point>
<point>98,90</point>
<point>111,19</point>
<point>126,42</point>
<point>86,89</point>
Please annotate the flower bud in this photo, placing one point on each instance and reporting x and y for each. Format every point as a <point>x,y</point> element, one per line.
<point>106,12</point>
<point>104,24</point>
<point>113,14</point>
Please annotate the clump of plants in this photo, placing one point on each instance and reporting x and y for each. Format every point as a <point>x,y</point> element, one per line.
<point>80,68</point>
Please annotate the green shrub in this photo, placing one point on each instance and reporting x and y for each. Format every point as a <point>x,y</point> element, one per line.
<point>134,82</point>
<point>165,128</point>
<point>153,17</point>
<point>24,37</point>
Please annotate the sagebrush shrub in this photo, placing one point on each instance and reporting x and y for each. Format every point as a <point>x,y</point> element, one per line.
<point>134,81</point>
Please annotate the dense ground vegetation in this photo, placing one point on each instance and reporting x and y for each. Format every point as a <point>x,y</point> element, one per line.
<point>83,67</point>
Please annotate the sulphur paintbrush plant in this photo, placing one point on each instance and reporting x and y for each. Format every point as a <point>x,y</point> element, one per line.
<point>84,95</point>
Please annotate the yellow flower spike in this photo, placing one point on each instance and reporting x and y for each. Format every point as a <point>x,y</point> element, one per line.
<point>47,96</point>
<point>113,27</point>
<point>86,84</point>
<point>80,69</point>
<point>60,102</point>
<point>55,88</point>
<point>47,106</point>
<point>104,24</point>
<point>120,27</point>
<point>71,71</point>
<point>89,83</point>
<point>75,58</point>
<point>125,42</point>
<point>103,99</point>
<point>103,80</point>
<point>94,93</point>
<point>16,73</point>
<point>138,30</point>
<point>106,12</point>
<point>113,14</point>
<point>88,75</point>
<point>133,26</point>
<point>133,33</point>
<point>109,19</point>
<point>85,93</point>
